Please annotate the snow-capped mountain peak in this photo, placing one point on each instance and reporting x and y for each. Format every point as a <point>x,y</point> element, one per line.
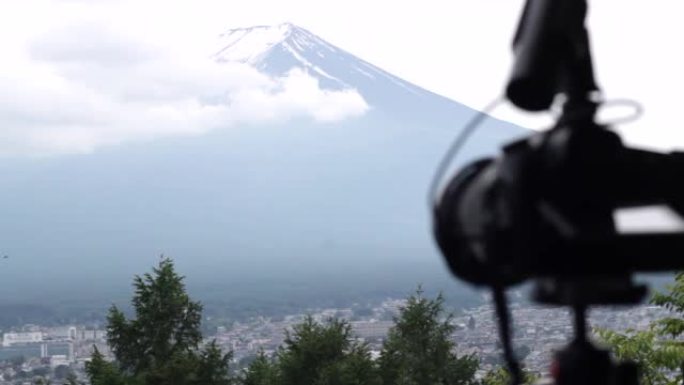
<point>247,45</point>
<point>277,49</point>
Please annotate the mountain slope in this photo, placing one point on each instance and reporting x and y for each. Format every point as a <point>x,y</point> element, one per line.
<point>335,209</point>
<point>277,49</point>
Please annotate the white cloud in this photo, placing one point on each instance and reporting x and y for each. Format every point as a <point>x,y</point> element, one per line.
<point>82,86</point>
<point>460,48</point>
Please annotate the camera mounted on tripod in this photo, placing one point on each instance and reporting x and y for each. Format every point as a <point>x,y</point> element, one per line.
<point>543,210</point>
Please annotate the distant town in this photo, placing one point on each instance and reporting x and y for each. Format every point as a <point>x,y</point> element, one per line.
<point>54,352</point>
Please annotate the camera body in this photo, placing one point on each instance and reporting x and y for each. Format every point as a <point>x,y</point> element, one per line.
<point>545,208</point>
<point>499,218</point>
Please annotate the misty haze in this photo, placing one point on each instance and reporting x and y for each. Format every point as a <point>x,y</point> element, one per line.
<point>202,194</point>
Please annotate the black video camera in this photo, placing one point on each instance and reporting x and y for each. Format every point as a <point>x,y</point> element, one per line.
<point>544,209</point>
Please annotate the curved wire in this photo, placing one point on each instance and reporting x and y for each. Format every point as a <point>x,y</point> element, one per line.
<point>638,110</point>
<point>455,147</point>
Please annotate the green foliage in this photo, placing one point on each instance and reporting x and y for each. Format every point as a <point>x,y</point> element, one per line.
<point>419,350</point>
<point>167,323</point>
<point>658,350</point>
<point>323,354</point>
<point>672,300</point>
<point>213,366</point>
<point>261,371</point>
<point>356,368</point>
<point>500,376</point>
<point>161,345</point>
<point>315,354</point>
<point>101,372</point>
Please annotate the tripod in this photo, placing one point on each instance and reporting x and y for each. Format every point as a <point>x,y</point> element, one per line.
<point>580,362</point>
<point>543,209</point>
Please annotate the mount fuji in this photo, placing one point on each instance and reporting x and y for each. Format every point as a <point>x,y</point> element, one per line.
<point>269,215</point>
<point>275,50</point>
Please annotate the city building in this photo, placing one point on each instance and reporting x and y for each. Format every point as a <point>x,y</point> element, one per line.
<point>20,338</point>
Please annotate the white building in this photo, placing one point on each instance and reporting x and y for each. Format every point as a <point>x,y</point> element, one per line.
<point>9,339</point>
<point>91,335</point>
<point>64,333</point>
<point>58,359</point>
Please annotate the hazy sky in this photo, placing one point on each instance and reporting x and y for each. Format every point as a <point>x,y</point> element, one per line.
<point>65,87</point>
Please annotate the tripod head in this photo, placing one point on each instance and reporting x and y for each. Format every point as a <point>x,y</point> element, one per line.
<point>580,362</point>
<point>543,211</point>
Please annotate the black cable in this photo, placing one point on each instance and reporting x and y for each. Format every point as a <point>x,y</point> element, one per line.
<point>456,147</point>
<point>503,318</point>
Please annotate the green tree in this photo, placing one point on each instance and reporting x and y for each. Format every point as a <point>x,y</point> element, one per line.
<point>500,376</point>
<point>213,366</point>
<point>161,344</point>
<point>261,371</point>
<point>659,350</point>
<point>324,354</point>
<point>356,368</point>
<point>419,349</point>
<point>101,372</point>
<point>167,322</point>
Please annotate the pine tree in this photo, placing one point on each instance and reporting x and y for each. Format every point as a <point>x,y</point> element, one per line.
<point>101,372</point>
<point>213,366</point>
<point>320,354</point>
<point>161,345</point>
<point>167,322</point>
<point>262,371</point>
<point>356,368</point>
<point>419,350</point>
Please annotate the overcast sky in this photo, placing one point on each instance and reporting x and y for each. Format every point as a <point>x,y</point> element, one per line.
<point>76,74</point>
